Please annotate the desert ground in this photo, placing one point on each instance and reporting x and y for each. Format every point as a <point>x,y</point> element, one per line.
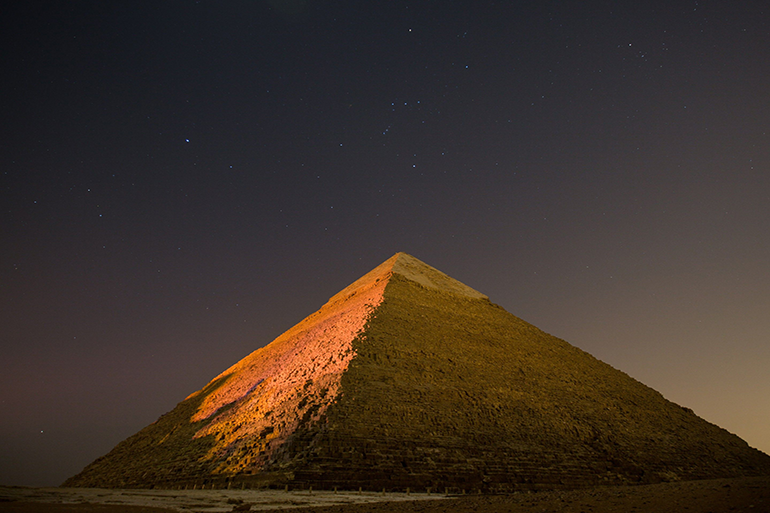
<point>751,495</point>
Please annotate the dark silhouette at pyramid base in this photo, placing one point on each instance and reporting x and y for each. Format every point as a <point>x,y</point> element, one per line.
<point>409,379</point>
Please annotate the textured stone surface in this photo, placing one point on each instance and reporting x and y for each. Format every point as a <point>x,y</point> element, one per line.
<point>408,378</point>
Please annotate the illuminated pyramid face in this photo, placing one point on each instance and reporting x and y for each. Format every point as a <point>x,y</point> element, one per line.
<point>409,378</point>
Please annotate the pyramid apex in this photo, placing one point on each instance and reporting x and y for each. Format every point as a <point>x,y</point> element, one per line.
<point>416,270</point>
<point>412,269</point>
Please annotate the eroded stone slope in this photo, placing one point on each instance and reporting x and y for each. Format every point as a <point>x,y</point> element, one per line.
<point>409,378</point>
<point>235,424</point>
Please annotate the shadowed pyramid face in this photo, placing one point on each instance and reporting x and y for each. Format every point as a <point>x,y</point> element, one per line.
<point>409,378</point>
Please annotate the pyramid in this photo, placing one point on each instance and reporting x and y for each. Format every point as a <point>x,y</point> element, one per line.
<point>409,378</point>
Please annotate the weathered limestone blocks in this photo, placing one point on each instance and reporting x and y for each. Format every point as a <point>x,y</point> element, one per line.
<point>410,379</point>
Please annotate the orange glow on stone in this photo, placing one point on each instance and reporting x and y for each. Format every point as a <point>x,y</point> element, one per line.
<point>268,394</point>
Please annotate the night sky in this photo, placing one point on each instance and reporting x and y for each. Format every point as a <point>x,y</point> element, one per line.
<point>181,182</point>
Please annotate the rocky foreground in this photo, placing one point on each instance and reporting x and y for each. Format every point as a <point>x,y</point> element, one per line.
<point>751,494</point>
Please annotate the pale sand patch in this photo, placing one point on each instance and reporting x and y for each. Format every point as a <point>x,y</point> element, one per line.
<point>189,501</point>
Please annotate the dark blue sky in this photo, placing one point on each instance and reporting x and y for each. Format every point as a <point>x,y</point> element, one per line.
<point>180,182</point>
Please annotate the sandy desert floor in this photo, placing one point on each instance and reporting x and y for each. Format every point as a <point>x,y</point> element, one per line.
<point>751,495</point>
<point>189,501</point>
